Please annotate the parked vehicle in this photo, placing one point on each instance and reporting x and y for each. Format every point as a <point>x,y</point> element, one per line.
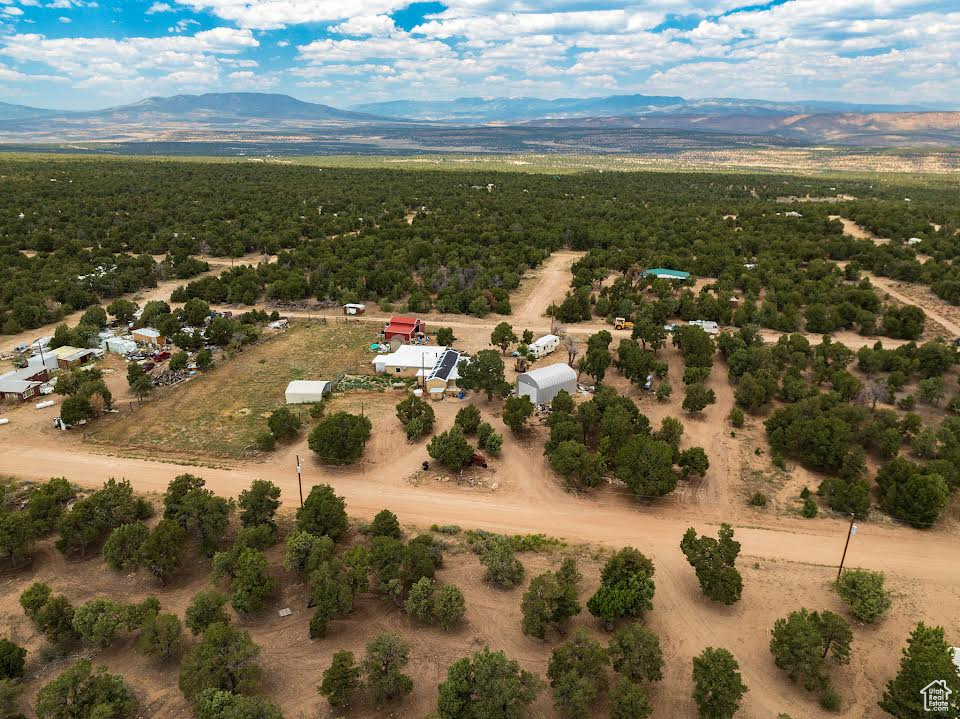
<point>161,356</point>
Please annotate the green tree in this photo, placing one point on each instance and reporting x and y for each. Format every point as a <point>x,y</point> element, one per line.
<point>387,655</point>
<point>76,409</point>
<point>206,608</point>
<point>577,673</point>
<point>693,461</point>
<point>259,504</point>
<point>340,438</point>
<point>305,551</point>
<point>697,398</point>
<point>628,700</point>
<point>323,513</point>
<point>219,704</point>
<point>468,419</point>
<point>926,658</point>
<point>486,686</point>
<point>717,685</point>
<point>416,415</point>
<point>284,424</point>
<point>714,560</point>
<point>596,360</point>
<point>626,587</point>
<point>51,615</point>
<point>123,310</point>
<point>163,550</point>
<point>503,336</point>
<point>161,636</point>
<point>649,333</point>
<point>17,534</point>
<point>483,373</point>
<point>332,596</point>
<point>551,600</point>
<point>204,360</point>
<point>225,658</point>
<point>385,524</point>
<point>252,583</point>
<point>84,693</point>
<point>635,653</point>
<point>451,449</point>
<point>47,502</point>
<point>179,361</point>
<point>99,620</point>
<point>573,461</point>
<point>801,642</point>
<point>142,386</point>
<point>517,409</point>
<point>646,467</point>
<point>11,659</point>
<point>448,606</point>
<point>445,336</point>
<point>95,316</point>
<point>863,591</point>
<point>340,680</point>
<point>121,551</point>
<point>696,346</point>
<point>501,563</point>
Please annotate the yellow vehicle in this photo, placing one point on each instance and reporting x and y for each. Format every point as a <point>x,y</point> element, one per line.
<point>621,323</point>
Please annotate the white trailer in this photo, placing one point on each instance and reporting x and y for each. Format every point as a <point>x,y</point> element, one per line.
<point>544,346</point>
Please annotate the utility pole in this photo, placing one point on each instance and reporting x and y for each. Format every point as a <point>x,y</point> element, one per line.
<point>299,482</point>
<point>850,533</point>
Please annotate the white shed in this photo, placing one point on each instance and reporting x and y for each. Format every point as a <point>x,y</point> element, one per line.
<point>302,391</point>
<point>542,384</point>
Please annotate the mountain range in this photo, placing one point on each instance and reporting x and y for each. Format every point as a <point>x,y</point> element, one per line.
<point>468,122</point>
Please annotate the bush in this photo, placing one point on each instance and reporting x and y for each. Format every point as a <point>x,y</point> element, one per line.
<point>205,609</point>
<point>265,441</point>
<point>121,551</point>
<point>551,600</point>
<point>863,591</point>
<point>387,655</point>
<point>445,528</point>
<point>810,508</point>
<point>99,620</point>
<point>628,700</point>
<point>416,415</point>
<point>84,693</point>
<point>502,565</point>
<point>758,499</point>
<point>718,688</point>
<point>284,424</point>
<point>516,411</point>
<point>737,417</point>
<point>626,587</point>
<point>51,615</point>
<point>323,513</point>
<point>225,658</point>
<point>635,653</point>
<point>340,438</point>
<point>385,524</point>
<point>11,660</point>
<point>468,419</point>
<point>714,560</point>
<point>161,636</point>
<point>830,700</point>
<point>340,680</point>
<point>451,449</point>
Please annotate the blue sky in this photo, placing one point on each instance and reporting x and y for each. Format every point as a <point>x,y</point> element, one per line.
<point>83,54</point>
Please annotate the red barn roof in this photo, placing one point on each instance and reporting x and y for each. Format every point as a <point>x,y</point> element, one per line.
<point>399,321</point>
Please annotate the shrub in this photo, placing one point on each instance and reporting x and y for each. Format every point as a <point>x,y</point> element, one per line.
<point>863,591</point>
<point>11,660</point>
<point>810,508</point>
<point>340,680</point>
<point>161,636</point>
<point>121,551</point>
<point>99,620</point>
<point>486,685</point>
<point>205,609</point>
<point>284,424</point>
<point>265,441</point>
<point>830,700</point>
<point>502,565</point>
<point>714,560</point>
<point>387,655</point>
<point>718,688</point>
<point>635,653</point>
<point>451,449</point>
<point>84,693</point>
<point>340,438</point>
<point>736,417</point>
<point>385,524</point>
<point>758,499</point>
<point>626,587</point>
<point>225,658</point>
<point>323,513</point>
<point>468,419</point>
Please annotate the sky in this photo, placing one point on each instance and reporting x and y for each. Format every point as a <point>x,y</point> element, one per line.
<point>86,54</point>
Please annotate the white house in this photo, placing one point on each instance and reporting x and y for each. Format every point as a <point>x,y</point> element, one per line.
<point>708,326</point>
<point>544,346</point>
<point>409,360</point>
<point>544,383</point>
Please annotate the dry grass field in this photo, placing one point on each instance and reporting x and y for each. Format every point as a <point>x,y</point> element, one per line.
<point>221,412</point>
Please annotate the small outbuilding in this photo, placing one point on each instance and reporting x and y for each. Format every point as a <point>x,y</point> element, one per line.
<point>663,273</point>
<point>119,345</point>
<point>303,391</point>
<point>354,308</point>
<point>148,335</point>
<point>409,360</point>
<point>544,383</point>
<point>404,328</point>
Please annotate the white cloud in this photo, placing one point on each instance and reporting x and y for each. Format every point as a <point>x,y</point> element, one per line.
<point>159,7</point>
<point>12,11</point>
<point>275,14</point>
<point>366,25</point>
<point>64,20</point>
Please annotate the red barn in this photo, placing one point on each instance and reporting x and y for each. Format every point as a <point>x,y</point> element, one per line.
<point>404,328</point>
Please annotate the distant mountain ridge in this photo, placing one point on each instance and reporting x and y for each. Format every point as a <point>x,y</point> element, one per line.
<point>522,109</point>
<point>481,124</point>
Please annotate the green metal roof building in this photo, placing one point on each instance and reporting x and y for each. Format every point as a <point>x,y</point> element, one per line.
<point>662,273</point>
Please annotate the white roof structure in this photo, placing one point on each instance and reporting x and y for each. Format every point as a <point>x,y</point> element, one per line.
<point>914,241</point>
<point>410,357</point>
<point>300,391</point>
<point>147,332</point>
<point>543,383</point>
